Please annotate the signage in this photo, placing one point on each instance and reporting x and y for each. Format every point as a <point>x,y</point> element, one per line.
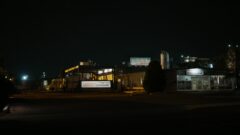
<point>140,61</point>
<point>96,84</point>
<point>195,71</point>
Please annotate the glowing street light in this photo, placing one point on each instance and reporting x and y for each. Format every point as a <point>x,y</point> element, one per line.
<point>24,77</point>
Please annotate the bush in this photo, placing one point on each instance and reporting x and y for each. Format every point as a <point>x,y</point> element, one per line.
<point>154,79</point>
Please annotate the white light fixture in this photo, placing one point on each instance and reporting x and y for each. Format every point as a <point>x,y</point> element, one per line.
<point>195,71</point>
<point>100,72</point>
<point>211,66</point>
<point>108,70</point>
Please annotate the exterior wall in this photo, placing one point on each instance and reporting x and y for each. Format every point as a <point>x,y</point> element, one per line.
<point>221,82</point>
<point>133,80</point>
<point>57,84</point>
<point>171,80</point>
<point>204,83</point>
<point>72,82</point>
<point>201,83</point>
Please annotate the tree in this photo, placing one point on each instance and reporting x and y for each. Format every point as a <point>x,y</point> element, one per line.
<point>231,59</point>
<point>2,71</point>
<point>154,79</point>
<point>6,89</point>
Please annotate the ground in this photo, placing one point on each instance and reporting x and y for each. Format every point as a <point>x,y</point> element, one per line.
<point>122,113</point>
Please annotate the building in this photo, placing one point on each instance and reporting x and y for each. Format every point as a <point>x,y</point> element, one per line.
<point>85,75</point>
<point>191,62</point>
<point>130,78</point>
<point>87,63</point>
<point>88,75</point>
<point>188,79</point>
<point>188,59</point>
<point>140,61</point>
<point>199,79</point>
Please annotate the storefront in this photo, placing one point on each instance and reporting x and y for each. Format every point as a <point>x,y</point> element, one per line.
<point>197,79</point>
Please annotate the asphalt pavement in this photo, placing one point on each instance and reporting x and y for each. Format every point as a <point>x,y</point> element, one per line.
<point>119,113</point>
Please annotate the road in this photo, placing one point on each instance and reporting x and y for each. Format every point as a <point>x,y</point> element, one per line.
<point>117,113</point>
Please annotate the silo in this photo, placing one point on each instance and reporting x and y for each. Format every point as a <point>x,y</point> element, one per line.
<point>164,60</point>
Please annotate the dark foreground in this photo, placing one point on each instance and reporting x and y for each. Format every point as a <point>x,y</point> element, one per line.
<point>111,113</point>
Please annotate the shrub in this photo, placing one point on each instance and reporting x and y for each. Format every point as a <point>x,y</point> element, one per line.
<point>154,79</point>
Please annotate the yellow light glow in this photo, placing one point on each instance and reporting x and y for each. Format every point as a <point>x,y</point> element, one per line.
<point>71,69</point>
<point>110,77</point>
<point>106,77</point>
<point>100,78</point>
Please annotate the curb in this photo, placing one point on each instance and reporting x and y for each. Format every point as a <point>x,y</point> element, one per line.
<point>193,107</point>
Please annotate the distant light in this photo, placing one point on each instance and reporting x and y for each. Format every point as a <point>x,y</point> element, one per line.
<point>119,80</point>
<point>182,56</point>
<point>211,66</point>
<point>6,77</point>
<point>100,72</point>
<point>25,77</point>
<point>45,83</point>
<point>237,46</point>
<point>108,70</point>
<point>105,71</point>
<point>195,71</point>
<point>71,69</point>
<point>44,75</point>
<point>229,45</point>
<point>187,60</point>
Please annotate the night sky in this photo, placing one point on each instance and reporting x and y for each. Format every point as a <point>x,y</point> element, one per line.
<point>50,36</point>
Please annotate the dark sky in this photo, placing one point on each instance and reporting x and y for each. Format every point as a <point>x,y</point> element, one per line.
<point>49,36</point>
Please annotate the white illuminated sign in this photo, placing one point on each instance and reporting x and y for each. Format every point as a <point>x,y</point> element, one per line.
<point>108,70</point>
<point>96,84</point>
<point>138,61</point>
<point>195,71</point>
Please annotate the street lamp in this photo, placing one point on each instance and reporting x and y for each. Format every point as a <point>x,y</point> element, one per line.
<point>24,77</point>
